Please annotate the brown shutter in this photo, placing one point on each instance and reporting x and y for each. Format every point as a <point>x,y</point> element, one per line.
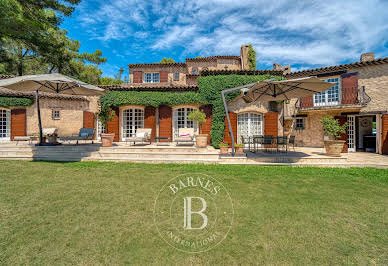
<point>207,126</point>
<point>233,122</point>
<point>163,76</point>
<point>307,102</point>
<point>271,124</point>
<point>344,136</point>
<point>165,121</point>
<point>149,120</point>
<point>384,130</point>
<point>137,77</point>
<point>113,126</point>
<point>18,123</point>
<point>349,90</point>
<point>88,121</point>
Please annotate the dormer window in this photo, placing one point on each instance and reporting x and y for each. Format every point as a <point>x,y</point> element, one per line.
<point>152,77</point>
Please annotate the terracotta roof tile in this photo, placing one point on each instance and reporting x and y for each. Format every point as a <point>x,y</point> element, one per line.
<point>241,72</point>
<point>2,76</point>
<point>321,70</point>
<point>150,87</point>
<point>157,65</point>
<point>213,58</point>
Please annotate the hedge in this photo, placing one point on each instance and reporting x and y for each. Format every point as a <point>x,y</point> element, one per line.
<point>209,88</point>
<point>15,101</point>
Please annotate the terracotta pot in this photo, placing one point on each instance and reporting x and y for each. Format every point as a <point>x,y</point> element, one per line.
<point>52,139</point>
<point>239,150</point>
<point>224,150</point>
<point>334,147</point>
<point>107,139</point>
<point>201,140</point>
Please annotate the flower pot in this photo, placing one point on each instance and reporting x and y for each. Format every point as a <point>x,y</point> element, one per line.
<point>239,150</point>
<point>52,139</point>
<point>224,150</point>
<point>334,147</point>
<point>107,139</point>
<point>201,140</point>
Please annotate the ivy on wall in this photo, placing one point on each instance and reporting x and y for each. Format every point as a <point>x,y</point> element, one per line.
<point>209,88</point>
<point>15,101</point>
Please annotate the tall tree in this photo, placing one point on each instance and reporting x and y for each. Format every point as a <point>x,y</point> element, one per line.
<point>251,57</point>
<point>166,60</point>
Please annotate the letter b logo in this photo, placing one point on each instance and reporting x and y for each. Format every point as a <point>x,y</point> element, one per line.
<point>188,213</point>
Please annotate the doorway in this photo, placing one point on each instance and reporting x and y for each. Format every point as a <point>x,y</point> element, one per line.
<point>366,133</point>
<point>5,125</point>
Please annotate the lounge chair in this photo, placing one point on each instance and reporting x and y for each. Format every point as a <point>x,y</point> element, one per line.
<point>84,134</point>
<point>142,135</point>
<point>185,135</point>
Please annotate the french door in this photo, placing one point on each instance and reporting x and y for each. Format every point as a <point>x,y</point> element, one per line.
<point>181,120</point>
<point>5,125</point>
<point>248,125</point>
<point>351,130</point>
<point>132,120</point>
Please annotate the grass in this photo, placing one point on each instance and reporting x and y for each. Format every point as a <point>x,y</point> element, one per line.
<point>101,213</point>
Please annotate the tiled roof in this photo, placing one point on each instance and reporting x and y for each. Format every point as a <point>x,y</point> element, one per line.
<point>213,58</point>
<point>157,65</point>
<point>317,71</point>
<point>241,72</point>
<point>2,76</point>
<point>12,93</point>
<point>150,87</point>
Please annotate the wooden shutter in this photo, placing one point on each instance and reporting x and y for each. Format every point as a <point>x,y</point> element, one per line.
<point>344,136</point>
<point>163,76</point>
<point>114,125</point>
<point>18,123</point>
<point>88,121</point>
<point>207,126</point>
<point>233,122</point>
<point>384,137</point>
<point>165,122</point>
<point>349,92</point>
<point>307,102</point>
<point>149,120</point>
<point>271,124</point>
<point>138,77</point>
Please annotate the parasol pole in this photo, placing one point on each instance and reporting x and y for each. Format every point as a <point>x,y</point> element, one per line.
<point>39,118</point>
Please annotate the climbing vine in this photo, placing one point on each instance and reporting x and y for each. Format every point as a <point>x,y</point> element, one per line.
<point>15,101</point>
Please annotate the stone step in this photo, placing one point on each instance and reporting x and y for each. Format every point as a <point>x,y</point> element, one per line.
<point>280,160</point>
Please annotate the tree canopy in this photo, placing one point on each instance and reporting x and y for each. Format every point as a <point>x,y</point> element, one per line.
<point>166,60</point>
<point>251,57</point>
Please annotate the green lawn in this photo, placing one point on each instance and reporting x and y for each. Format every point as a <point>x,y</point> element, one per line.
<point>102,213</point>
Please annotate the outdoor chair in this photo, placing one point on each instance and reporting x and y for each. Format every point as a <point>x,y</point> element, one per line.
<point>268,142</point>
<point>142,135</point>
<point>185,135</point>
<point>257,140</point>
<point>246,141</point>
<point>291,141</point>
<point>282,142</point>
<point>84,134</point>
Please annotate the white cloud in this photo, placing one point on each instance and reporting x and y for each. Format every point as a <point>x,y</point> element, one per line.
<point>289,32</point>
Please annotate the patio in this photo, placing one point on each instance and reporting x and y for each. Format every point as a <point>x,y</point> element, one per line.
<point>123,152</point>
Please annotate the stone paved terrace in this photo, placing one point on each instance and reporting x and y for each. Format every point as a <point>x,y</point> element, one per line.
<point>185,154</point>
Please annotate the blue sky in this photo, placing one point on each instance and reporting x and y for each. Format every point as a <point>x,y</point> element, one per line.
<point>303,34</point>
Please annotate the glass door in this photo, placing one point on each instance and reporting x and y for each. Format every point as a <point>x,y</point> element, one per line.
<point>132,120</point>
<point>249,125</point>
<point>181,120</point>
<point>5,125</point>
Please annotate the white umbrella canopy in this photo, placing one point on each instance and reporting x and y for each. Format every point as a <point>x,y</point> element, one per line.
<point>54,83</point>
<point>269,90</point>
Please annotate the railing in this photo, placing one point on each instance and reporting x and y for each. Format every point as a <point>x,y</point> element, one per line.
<point>348,96</point>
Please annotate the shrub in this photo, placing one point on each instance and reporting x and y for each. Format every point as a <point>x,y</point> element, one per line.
<point>332,128</point>
<point>199,117</point>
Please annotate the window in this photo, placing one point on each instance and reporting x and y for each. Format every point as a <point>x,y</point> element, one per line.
<point>132,120</point>
<point>248,125</point>
<point>299,124</point>
<point>329,97</point>
<point>56,114</point>
<point>100,129</point>
<point>5,125</point>
<point>181,120</point>
<point>176,76</point>
<point>151,77</point>
<point>194,71</point>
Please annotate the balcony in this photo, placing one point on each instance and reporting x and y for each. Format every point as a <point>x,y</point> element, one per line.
<point>349,97</point>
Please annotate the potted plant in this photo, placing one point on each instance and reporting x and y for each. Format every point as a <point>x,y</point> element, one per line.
<point>224,148</point>
<point>200,118</point>
<point>106,115</point>
<point>333,130</point>
<point>238,148</point>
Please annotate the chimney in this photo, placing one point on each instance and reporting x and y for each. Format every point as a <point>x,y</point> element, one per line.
<point>365,57</point>
<point>244,57</point>
<point>279,67</point>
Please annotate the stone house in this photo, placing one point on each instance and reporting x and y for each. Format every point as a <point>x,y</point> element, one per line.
<point>68,113</point>
<point>359,97</point>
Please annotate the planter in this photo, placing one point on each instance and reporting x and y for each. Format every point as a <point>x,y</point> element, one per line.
<point>239,150</point>
<point>107,139</point>
<point>224,150</point>
<point>334,147</point>
<point>52,139</point>
<point>201,140</point>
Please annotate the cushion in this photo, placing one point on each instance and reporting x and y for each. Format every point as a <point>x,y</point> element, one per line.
<point>184,135</point>
<point>83,134</point>
<point>140,134</point>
